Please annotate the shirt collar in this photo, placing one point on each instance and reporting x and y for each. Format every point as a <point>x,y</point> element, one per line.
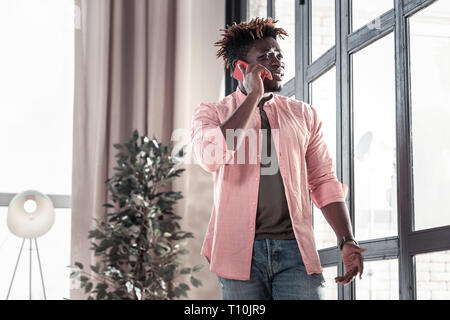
<point>241,97</point>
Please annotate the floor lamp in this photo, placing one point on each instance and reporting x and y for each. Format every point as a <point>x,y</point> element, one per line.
<point>30,225</point>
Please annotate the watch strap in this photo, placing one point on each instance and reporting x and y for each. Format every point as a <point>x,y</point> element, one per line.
<point>346,239</point>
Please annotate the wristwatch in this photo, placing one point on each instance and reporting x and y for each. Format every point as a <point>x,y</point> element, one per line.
<point>346,239</point>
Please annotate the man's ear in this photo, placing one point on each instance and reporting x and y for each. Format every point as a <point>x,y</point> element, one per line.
<point>233,65</point>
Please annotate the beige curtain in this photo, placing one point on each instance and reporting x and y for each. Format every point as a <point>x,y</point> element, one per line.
<point>143,64</point>
<point>124,80</point>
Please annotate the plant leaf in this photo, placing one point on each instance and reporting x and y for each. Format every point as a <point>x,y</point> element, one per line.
<point>185,271</point>
<point>184,286</point>
<point>101,294</point>
<point>88,287</point>
<point>195,282</point>
<point>197,268</point>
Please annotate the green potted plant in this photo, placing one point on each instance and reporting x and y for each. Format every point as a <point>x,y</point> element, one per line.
<point>139,244</point>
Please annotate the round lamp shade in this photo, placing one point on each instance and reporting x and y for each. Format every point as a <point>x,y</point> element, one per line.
<point>30,223</point>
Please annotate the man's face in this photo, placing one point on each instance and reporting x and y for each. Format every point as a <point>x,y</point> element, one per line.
<point>267,52</point>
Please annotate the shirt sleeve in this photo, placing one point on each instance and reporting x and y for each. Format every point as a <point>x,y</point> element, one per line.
<point>208,142</point>
<point>322,181</point>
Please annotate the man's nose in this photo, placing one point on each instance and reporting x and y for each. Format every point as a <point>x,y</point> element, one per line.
<point>274,61</point>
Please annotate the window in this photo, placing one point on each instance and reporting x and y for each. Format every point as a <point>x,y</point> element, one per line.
<point>433,275</point>
<point>323,98</point>
<point>365,12</point>
<point>379,76</point>
<point>380,281</point>
<point>430,84</point>
<point>258,8</point>
<point>329,274</point>
<point>285,14</point>
<point>375,140</point>
<point>36,99</point>
<point>322,27</point>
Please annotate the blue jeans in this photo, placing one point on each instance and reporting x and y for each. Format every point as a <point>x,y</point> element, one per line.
<point>277,273</point>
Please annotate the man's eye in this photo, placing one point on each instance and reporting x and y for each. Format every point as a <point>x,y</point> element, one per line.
<point>280,56</point>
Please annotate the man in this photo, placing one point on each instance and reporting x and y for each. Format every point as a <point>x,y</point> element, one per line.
<point>260,240</point>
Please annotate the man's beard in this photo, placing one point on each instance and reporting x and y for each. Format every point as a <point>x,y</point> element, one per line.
<point>276,88</point>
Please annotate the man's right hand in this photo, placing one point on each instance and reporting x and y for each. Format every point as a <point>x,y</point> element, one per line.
<point>253,84</point>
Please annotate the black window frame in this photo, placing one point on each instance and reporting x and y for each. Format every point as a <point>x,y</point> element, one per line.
<point>408,242</point>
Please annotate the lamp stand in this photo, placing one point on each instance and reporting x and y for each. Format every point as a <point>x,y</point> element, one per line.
<point>17,263</point>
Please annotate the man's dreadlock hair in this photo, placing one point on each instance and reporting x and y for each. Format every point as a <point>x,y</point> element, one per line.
<point>237,39</point>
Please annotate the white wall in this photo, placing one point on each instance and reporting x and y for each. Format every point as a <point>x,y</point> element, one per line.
<point>199,77</point>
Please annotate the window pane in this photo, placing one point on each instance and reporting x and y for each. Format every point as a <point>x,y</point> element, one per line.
<point>433,275</point>
<point>323,99</point>
<point>36,95</point>
<point>430,100</point>
<point>365,11</point>
<point>322,27</point>
<point>375,140</point>
<point>257,8</point>
<point>54,254</point>
<point>379,281</point>
<point>331,286</point>
<point>285,14</point>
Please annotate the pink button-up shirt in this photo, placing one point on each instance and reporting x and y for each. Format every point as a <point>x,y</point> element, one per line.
<point>304,163</point>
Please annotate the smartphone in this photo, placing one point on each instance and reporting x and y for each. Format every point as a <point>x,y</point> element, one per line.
<point>238,74</point>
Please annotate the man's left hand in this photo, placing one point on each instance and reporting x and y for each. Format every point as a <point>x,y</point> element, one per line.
<point>353,262</point>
